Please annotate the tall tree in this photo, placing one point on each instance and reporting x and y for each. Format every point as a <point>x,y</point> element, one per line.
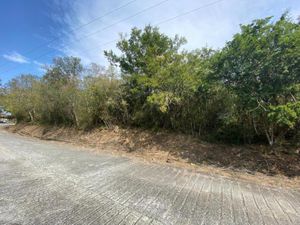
<point>144,55</point>
<point>21,97</point>
<point>64,70</point>
<point>260,65</point>
<point>61,82</point>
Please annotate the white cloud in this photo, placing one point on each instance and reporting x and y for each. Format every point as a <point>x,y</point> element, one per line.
<point>210,26</point>
<point>16,57</point>
<point>38,63</point>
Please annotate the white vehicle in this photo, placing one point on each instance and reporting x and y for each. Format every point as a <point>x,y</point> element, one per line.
<point>3,120</point>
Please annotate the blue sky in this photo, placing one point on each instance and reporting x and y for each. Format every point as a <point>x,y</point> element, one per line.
<point>32,32</point>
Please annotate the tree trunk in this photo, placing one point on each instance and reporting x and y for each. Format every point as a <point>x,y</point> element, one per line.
<point>270,136</point>
<point>76,118</point>
<point>31,116</point>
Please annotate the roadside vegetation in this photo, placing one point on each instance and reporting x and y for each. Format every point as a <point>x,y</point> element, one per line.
<point>246,93</point>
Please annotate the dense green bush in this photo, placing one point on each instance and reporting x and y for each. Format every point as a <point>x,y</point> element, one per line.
<point>96,101</point>
<point>261,65</point>
<point>246,92</point>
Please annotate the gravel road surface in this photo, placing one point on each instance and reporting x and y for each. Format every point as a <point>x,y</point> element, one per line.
<point>50,183</point>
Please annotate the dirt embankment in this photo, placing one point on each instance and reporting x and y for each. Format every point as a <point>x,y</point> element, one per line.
<point>252,163</point>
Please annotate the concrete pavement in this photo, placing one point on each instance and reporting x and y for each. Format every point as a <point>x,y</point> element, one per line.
<point>50,183</point>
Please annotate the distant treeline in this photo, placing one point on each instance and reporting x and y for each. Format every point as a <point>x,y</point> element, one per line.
<point>247,92</point>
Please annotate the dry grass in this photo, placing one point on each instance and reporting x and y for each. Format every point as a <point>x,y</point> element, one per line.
<point>251,163</point>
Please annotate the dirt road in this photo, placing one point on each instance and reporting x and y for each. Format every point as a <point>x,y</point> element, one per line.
<point>50,183</point>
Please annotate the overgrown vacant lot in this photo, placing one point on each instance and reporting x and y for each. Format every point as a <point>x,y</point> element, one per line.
<point>279,166</point>
<point>148,130</point>
<point>245,94</point>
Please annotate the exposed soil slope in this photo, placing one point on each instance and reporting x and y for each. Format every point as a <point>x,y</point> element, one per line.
<point>254,163</point>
